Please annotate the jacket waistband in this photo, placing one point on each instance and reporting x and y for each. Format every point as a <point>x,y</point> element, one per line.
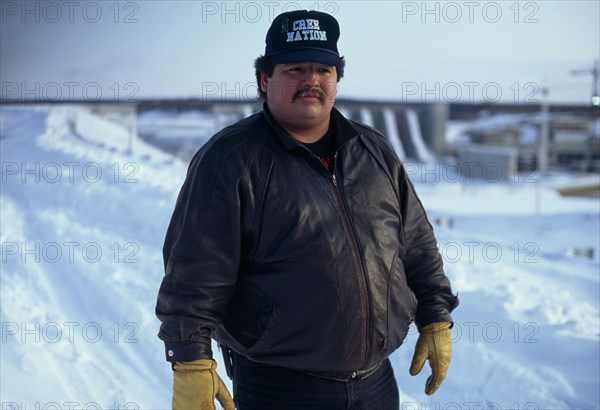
<point>336,376</point>
<point>345,376</point>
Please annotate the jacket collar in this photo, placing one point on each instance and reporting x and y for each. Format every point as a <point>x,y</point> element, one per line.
<point>343,129</point>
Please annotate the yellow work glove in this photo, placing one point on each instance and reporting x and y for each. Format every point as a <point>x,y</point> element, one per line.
<point>196,384</point>
<point>434,344</point>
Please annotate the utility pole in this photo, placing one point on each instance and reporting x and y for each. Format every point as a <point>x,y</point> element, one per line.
<point>544,132</point>
<point>595,101</point>
<point>542,157</point>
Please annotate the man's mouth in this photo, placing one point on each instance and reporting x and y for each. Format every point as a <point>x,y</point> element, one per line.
<point>312,93</point>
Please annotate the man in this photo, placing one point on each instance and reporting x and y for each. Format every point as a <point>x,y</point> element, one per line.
<point>298,243</point>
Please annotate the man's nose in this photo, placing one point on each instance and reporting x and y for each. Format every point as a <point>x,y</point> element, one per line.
<point>311,78</point>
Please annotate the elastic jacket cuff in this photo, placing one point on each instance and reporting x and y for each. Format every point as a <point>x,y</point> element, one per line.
<point>426,316</point>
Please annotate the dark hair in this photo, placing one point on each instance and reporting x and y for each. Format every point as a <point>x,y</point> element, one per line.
<point>265,65</point>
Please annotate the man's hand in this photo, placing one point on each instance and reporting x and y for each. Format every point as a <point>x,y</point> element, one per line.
<point>434,344</point>
<point>196,384</point>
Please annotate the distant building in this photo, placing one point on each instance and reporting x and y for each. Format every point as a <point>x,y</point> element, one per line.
<point>571,143</point>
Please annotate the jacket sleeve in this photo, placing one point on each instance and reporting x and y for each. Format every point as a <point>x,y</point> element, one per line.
<point>201,256</point>
<point>422,261</point>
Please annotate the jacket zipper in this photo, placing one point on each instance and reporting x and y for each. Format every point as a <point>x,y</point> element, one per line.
<point>358,261</point>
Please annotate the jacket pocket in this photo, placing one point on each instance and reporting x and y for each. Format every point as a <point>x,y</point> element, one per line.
<point>266,326</point>
<point>401,304</point>
<point>250,316</point>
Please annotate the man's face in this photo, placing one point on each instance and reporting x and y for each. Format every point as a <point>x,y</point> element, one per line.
<point>301,95</point>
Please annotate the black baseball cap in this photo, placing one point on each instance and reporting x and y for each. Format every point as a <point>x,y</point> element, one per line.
<point>303,36</point>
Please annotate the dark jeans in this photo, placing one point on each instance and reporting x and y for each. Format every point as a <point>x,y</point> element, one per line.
<point>263,387</point>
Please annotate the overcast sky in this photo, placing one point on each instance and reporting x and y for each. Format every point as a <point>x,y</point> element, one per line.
<point>395,50</point>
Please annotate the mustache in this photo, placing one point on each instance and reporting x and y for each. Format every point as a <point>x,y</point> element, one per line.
<point>308,91</point>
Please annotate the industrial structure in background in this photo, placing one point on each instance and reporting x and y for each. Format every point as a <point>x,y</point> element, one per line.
<point>509,135</point>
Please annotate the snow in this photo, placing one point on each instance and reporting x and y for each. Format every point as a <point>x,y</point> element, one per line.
<point>84,208</point>
<point>190,124</point>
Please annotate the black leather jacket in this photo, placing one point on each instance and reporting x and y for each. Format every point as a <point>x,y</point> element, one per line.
<point>270,254</point>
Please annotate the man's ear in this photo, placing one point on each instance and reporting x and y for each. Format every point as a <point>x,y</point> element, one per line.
<point>263,82</point>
